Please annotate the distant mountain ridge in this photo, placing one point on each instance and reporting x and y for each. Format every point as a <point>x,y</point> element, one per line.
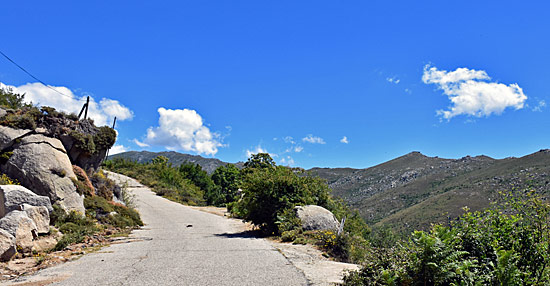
<point>176,158</point>
<point>414,190</point>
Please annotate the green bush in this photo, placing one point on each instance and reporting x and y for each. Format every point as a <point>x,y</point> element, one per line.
<point>9,99</point>
<point>101,209</point>
<point>507,244</point>
<point>74,226</point>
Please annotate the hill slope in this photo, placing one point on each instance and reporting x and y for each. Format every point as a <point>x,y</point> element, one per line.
<point>414,190</point>
<point>207,164</point>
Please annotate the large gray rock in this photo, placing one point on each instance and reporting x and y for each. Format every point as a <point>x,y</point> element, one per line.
<point>2,112</point>
<point>40,216</point>
<point>41,164</point>
<point>9,135</point>
<point>18,224</point>
<point>12,197</point>
<point>7,245</point>
<point>316,218</point>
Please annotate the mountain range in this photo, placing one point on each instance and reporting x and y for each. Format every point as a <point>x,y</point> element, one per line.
<point>414,190</point>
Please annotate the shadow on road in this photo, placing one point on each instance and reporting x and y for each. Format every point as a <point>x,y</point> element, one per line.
<point>242,234</point>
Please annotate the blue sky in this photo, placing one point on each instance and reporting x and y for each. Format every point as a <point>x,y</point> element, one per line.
<point>225,79</point>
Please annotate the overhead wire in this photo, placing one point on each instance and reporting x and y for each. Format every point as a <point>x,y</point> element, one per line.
<point>23,69</point>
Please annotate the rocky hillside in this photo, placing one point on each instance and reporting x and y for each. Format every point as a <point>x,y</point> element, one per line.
<point>207,164</point>
<point>414,190</point>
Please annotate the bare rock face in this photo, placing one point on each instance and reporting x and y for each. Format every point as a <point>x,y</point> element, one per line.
<point>19,225</point>
<point>41,164</point>
<point>40,216</point>
<point>8,136</point>
<point>316,218</point>
<point>12,197</point>
<point>7,245</point>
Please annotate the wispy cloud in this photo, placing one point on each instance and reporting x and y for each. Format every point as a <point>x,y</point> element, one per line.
<point>101,112</point>
<point>472,93</point>
<point>540,106</point>
<point>183,129</point>
<point>287,161</point>
<point>289,139</point>
<point>140,144</point>
<point>393,79</point>
<point>344,140</point>
<point>298,149</point>
<point>313,139</point>
<point>258,149</point>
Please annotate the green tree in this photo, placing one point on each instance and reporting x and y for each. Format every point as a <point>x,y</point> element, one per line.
<point>228,179</point>
<point>268,192</point>
<point>260,160</point>
<point>199,177</point>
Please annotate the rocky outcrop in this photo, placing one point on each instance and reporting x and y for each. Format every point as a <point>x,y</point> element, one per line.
<point>316,218</point>
<point>23,228</point>
<point>40,216</point>
<point>13,197</point>
<point>7,245</point>
<point>40,163</point>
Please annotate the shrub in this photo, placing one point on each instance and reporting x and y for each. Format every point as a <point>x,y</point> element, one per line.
<point>74,226</point>
<point>5,180</point>
<point>504,245</point>
<point>164,179</point>
<point>9,99</point>
<point>101,209</point>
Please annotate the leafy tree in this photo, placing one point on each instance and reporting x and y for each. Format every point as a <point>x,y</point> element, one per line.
<point>269,191</point>
<point>201,179</point>
<point>260,160</point>
<point>228,179</point>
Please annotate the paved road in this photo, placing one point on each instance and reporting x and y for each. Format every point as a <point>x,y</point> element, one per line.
<point>179,246</point>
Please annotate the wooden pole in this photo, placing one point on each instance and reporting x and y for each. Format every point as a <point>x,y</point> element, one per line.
<point>107,154</point>
<point>87,104</point>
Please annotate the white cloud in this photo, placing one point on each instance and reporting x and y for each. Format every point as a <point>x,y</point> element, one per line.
<point>183,129</point>
<point>472,94</point>
<point>393,80</point>
<point>140,144</point>
<point>313,139</point>
<point>298,149</point>
<point>258,149</point>
<point>288,161</point>
<point>102,113</point>
<point>407,90</point>
<point>344,140</point>
<point>541,105</point>
<point>117,149</point>
<point>289,139</point>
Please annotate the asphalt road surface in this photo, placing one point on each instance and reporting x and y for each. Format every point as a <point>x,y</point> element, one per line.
<point>178,246</point>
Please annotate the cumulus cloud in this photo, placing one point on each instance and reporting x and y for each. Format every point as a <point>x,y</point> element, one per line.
<point>344,140</point>
<point>313,139</point>
<point>182,129</point>
<point>102,113</point>
<point>472,93</point>
<point>117,149</point>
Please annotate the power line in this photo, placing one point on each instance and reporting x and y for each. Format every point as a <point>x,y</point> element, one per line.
<point>23,69</point>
